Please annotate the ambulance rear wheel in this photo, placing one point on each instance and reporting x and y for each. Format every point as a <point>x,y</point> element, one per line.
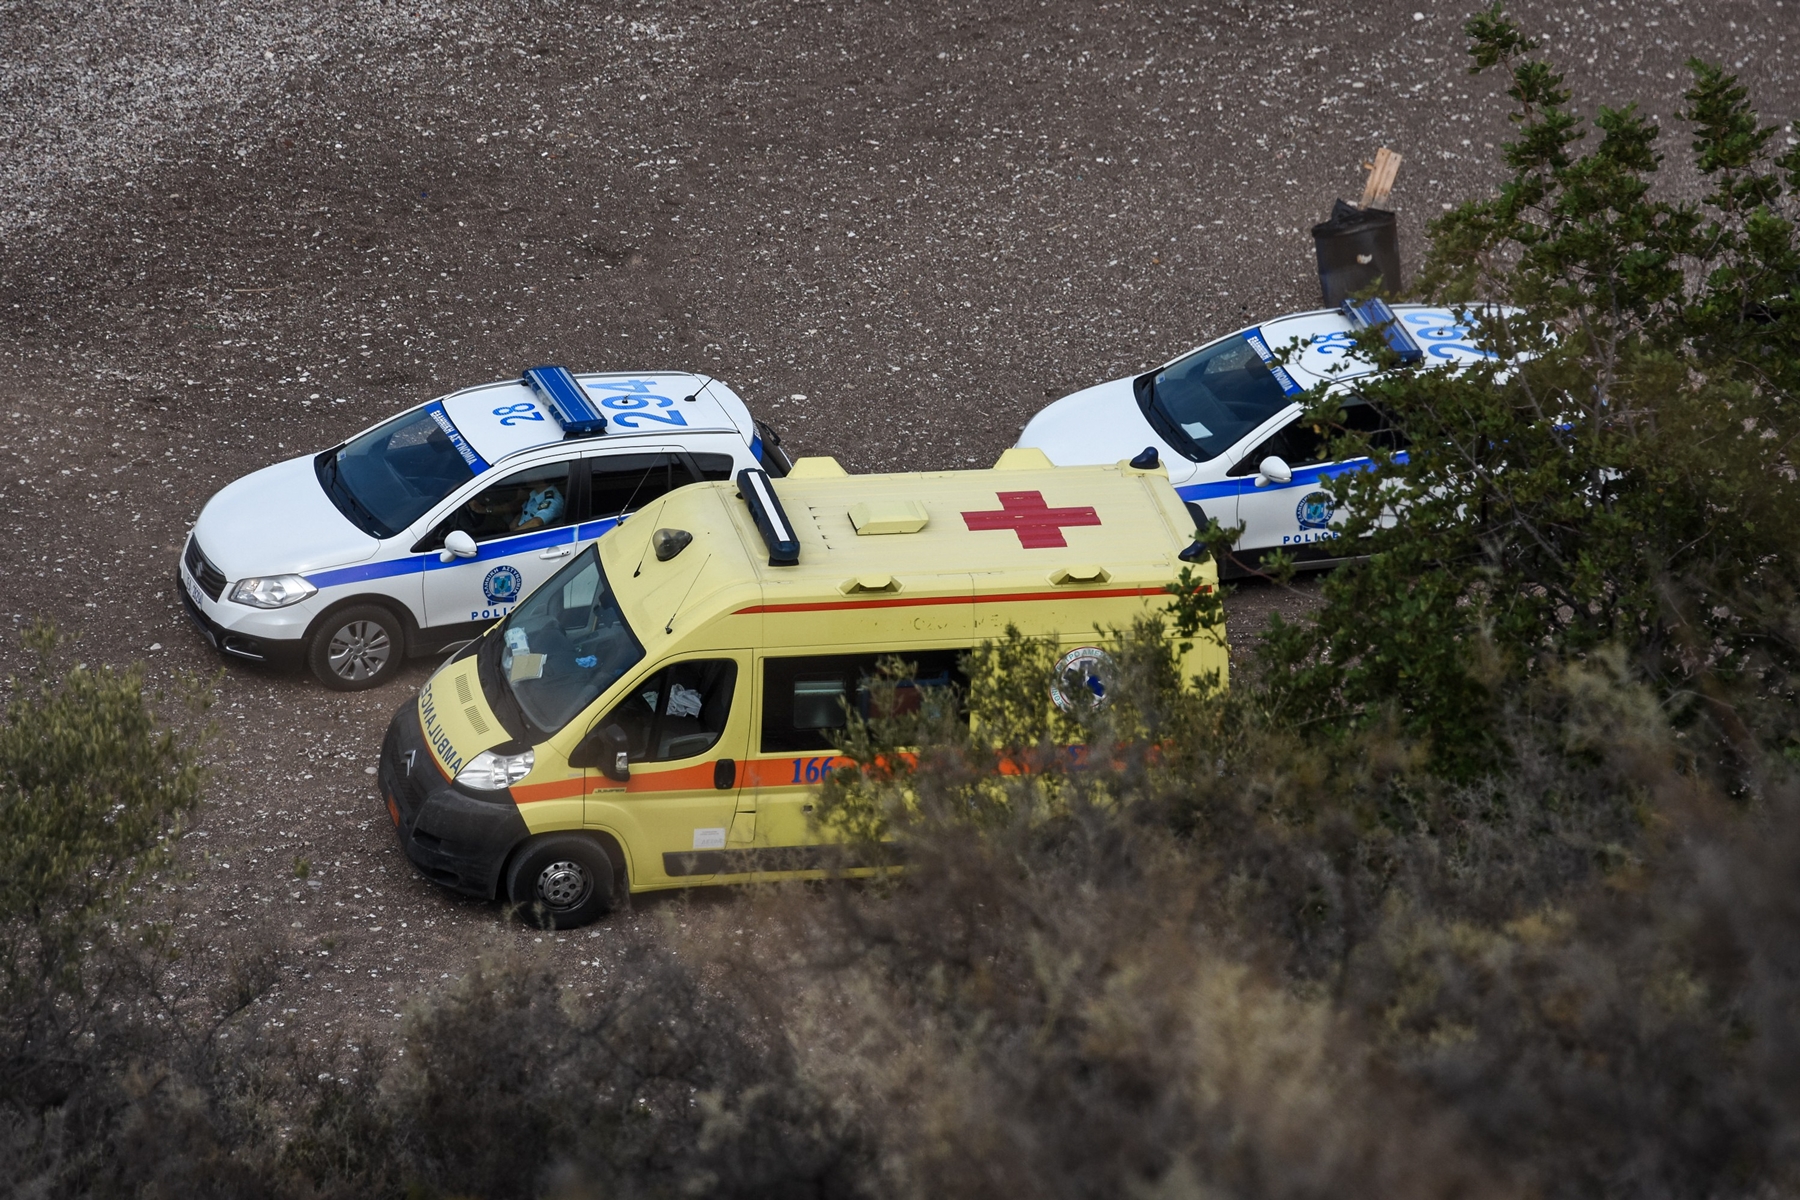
<point>357,647</point>
<point>561,880</point>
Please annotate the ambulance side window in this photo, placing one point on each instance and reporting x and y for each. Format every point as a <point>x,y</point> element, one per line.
<point>805,700</point>
<point>535,498</point>
<point>678,712</point>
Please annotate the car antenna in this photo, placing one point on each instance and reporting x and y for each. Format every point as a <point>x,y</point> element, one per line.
<point>642,479</point>
<point>640,567</point>
<point>670,627</point>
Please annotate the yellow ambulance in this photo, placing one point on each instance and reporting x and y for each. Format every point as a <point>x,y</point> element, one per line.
<point>660,712</point>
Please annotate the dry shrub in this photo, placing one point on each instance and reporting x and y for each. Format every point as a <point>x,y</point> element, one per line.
<point>1015,1025</point>
<point>511,1086</point>
<point>1207,958</point>
<point>1210,957</point>
<point>1229,962</point>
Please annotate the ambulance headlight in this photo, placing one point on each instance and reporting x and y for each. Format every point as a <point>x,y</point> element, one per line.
<point>491,772</point>
<point>272,591</point>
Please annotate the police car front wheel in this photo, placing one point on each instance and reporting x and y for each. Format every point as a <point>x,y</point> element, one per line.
<point>560,881</point>
<point>357,648</point>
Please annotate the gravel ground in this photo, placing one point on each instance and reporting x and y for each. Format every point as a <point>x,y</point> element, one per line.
<point>232,232</point>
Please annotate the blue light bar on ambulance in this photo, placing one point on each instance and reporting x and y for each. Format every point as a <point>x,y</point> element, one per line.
<point>1375,314</point>
<point>771,522</point>
<point>566,401</point>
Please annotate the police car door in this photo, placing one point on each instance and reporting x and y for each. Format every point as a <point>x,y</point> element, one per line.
<point>1298,515</point>
<point>523,528</point>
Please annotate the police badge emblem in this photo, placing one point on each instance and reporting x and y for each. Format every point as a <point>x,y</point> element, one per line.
<point>501,585</point>
<point>1314,510</point>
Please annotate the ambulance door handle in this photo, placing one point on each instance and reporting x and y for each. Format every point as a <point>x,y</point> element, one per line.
<point>558,552</point>
<point>725,774</point>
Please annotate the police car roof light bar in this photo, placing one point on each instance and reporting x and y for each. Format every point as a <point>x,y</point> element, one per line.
<point>1375,314</point>
<point>771,521</point>
<point>566,401</point>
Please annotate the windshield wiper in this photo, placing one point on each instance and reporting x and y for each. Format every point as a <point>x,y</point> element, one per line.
<point>499,693</point>
<point>1162,423</point>
<point>333,478</point>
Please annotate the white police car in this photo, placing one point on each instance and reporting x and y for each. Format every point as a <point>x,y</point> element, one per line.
<point>415,535</point>
<point>1226,422</point>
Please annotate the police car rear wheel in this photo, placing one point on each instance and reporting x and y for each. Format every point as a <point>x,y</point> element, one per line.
<point>561,881</point>
<point>358,648</point>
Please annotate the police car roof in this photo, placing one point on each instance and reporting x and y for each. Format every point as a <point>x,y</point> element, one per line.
<point>1325,345</point>
<point>1010,533</point>
<point>493,416</point>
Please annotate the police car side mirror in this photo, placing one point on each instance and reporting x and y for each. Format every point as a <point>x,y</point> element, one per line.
<point>457,544</point>
<point>1273,469</point>
<point>606,748</point>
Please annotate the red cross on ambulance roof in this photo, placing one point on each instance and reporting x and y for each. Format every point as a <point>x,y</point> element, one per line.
<point>1037,524</point>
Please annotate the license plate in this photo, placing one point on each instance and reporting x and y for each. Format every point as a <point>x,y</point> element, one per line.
<point>193,588</point>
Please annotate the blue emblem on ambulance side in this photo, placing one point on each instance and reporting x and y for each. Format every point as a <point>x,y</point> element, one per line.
<point>1314,510</point>
<point>1079,683</point>
<point>501,585</point>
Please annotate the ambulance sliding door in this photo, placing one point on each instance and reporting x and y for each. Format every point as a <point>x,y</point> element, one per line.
<point>805,704</point>
<point>686,729</point>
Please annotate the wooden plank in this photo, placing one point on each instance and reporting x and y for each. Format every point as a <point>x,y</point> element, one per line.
<point>1381,177</point>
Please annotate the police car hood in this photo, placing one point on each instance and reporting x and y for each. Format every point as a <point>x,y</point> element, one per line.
<point>1099,425</point>
<point>276,521</point>
<point>498,419</point>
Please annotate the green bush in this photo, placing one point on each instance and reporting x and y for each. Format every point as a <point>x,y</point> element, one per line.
<point>91,795</point>
<point>1620,475</point>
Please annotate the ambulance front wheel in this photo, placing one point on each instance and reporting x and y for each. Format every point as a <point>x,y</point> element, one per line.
<point>357,647</point>
<point>561,880</point>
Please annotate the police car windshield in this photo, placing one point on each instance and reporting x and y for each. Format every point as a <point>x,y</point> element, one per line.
<point>390,476</point>
<point>557,652</point>
<point>1206,403</point>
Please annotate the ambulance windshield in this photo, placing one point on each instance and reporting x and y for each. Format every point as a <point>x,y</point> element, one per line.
<point>1209,400</point>
<point>392,475</point>
<point>558,651</point>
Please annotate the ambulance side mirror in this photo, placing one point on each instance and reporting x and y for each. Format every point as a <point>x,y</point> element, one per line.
<point>607,748</point>
<point>615,760</point>
<point>1273,469</point>
<point>457,544</point>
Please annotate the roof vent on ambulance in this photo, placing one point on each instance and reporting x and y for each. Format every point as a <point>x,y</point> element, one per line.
<point>669,542</point>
